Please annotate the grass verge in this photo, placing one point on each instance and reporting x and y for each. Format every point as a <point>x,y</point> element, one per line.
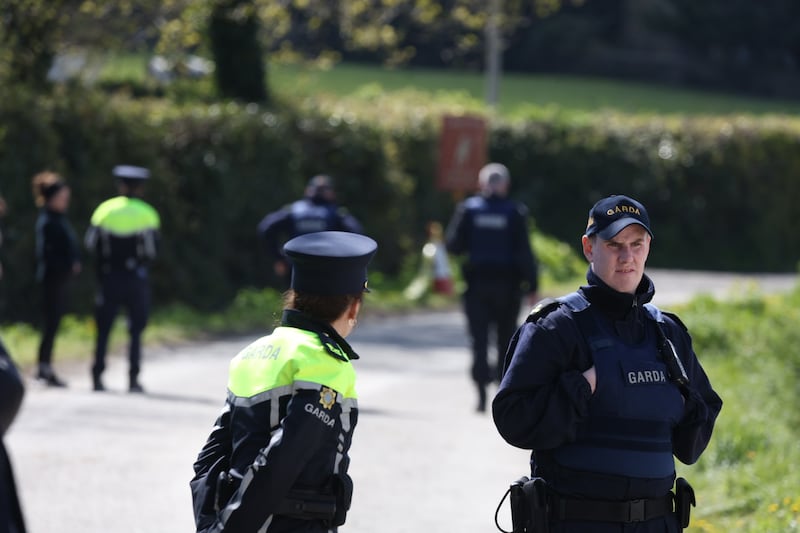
<point>520,94</point>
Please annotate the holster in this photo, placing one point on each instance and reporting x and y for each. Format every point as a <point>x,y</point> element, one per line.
<point>529,506</point>
<point>343,490</point>
<point>684,501</point>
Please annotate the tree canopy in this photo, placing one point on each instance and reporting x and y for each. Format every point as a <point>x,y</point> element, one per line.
<point>714,41</point>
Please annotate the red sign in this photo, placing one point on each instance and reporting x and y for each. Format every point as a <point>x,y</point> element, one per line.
<point>462,153</point>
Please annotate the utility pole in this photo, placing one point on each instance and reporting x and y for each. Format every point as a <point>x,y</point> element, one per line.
<point>494,54</point>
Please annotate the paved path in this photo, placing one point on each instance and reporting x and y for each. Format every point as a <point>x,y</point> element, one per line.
<point>676,286</point>
<point>422,459</point>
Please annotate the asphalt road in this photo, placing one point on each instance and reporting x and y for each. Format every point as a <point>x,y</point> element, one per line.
<point>422,459</point>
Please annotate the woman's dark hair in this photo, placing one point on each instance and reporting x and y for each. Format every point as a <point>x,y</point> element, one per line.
<point>45,185</point>
<point>325,308</point>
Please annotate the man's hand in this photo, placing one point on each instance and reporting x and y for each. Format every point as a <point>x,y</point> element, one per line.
<point>591,377</point>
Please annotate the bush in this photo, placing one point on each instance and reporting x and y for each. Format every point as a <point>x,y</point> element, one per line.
<point>747,481</point>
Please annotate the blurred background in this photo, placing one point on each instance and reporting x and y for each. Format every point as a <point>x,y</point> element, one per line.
<point>234,104</point>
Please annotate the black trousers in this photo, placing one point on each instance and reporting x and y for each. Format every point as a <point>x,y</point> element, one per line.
<point>131,291</point>
<point>491,305</point>
<point>54,306</point>
<point>11,520</point>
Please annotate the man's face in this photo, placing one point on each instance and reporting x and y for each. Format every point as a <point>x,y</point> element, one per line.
<point>619,261</point>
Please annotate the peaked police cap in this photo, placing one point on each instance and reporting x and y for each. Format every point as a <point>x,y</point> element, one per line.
<point>330,262</point>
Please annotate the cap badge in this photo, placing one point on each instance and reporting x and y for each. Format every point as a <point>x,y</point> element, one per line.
<point>624,209</point>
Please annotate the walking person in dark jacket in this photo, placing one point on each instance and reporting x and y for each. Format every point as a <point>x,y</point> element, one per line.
<point>499,266</point>
<point>57,262</point>
<point>316,211</point>
<point>606,391</point>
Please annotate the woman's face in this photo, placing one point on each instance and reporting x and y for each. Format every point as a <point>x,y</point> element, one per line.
<point>59,202</point>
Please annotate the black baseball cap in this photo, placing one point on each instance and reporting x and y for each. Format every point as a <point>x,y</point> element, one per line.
<point>330,262</point>
<point>611,215</point>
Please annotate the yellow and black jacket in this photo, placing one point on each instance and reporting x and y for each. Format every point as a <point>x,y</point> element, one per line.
<point>124,234</point>
<point>278,452</point>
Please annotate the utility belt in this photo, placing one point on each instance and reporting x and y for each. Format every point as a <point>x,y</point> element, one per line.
<point>534,505</point>
<point>302,504</point>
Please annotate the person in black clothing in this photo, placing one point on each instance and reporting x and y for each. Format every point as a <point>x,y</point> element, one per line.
<point>277,458</point>
<point>499,268</point>
<point>57,259</point>
<point>2,214</point>
<point>316,211</point>
<point>606,390</point>
<point>12,391</point>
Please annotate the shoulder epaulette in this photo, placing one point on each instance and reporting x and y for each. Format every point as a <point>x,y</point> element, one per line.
<point>675,319</point>
<point>658,315</point>
<point>575,301</point>
<point>542,308</point>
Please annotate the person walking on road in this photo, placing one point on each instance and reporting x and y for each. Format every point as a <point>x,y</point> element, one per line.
<point>499,267</point>
<point>277,458</point>
<point>316,211</point>
<point>123,235</point>
<point>58,261</point>
<point>606,391</point>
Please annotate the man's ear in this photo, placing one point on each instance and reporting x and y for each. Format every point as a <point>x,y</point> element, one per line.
<point>588,248</point>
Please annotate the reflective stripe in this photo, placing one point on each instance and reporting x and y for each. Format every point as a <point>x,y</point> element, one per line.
<point>247,479</point>
<point>149,243</point>
<point>272,394</point>
<point>91,237</point>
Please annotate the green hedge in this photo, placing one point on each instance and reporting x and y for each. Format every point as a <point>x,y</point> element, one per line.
<point>721,191</point>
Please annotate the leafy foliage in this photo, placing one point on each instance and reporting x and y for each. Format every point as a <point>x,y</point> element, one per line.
<point>747,480</point>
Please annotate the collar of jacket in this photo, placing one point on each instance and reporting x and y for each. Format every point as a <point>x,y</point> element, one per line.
<point>333,342</point>
<point>615,303</point>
